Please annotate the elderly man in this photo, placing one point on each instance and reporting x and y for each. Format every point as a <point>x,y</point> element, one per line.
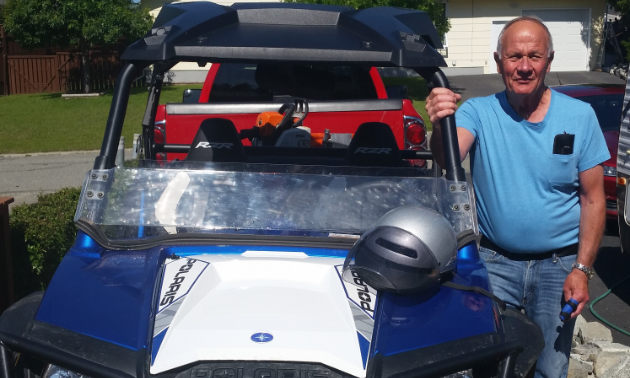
<point>536,167</point>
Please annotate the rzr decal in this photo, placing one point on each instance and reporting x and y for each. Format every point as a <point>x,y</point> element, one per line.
<point>215,146</point>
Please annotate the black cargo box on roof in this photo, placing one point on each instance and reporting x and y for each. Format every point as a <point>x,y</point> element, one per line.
<point>289,32</point>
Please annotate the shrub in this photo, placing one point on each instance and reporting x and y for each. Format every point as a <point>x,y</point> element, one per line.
<point>41,234</point>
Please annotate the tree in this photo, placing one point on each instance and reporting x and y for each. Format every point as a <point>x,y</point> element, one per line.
<point>622,26</point>
<point>434,8</point>
<point>81,23</point>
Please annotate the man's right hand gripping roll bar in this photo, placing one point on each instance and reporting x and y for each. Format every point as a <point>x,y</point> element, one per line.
<point>450,143</point>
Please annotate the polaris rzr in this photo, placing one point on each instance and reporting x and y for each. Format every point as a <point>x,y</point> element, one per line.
<point>284,257</point>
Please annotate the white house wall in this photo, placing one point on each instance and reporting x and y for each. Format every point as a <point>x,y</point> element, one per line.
<point>471,24</point>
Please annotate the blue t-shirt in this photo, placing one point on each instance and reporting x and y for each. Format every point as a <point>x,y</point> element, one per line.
<point>527,197</point>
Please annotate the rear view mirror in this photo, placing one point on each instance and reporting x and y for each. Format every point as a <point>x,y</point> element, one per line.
<point>191,96</point>
<point>397,91</point>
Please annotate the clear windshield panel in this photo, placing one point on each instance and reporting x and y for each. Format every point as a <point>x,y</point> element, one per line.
<point>261,199</point>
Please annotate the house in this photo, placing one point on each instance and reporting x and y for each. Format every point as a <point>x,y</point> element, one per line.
<point>575,25</point>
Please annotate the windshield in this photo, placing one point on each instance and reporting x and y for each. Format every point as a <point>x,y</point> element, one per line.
<point>260,199</point>
<point>607,108</point>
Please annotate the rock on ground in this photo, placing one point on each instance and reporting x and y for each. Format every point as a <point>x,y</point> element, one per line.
<point>587,351</point>
<point>576,370</point>
<point>619,370</point>
<point>593,332</point>
<point>606,362</point>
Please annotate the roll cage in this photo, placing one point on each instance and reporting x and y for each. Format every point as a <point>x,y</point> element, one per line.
<point>205,32</point>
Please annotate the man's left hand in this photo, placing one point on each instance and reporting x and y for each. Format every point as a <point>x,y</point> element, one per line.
<point>576,287</point>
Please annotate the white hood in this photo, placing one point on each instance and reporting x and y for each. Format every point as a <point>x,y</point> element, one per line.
<point>262,306</point>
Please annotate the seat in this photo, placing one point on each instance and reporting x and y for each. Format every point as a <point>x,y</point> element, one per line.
<point>216,141</point>
<point>373,145</point>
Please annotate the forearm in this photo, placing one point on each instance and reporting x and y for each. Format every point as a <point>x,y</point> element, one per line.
<point>592,222</point>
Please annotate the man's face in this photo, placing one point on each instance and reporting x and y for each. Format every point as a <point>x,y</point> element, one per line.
<point>524,60</point>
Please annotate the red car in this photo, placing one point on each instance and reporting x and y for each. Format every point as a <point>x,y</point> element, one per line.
<point>607,101</point>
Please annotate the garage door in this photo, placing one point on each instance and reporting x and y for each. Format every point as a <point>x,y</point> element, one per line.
<point>570,30</point>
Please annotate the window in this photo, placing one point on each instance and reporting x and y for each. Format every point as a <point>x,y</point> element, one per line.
<point>608,110</point>
<point>265,82</point>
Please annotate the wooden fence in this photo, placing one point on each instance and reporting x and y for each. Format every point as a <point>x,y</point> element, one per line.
<point>61,72</point>
<point>55,69</point>
<point>34,73</point>
<point>3,67</point>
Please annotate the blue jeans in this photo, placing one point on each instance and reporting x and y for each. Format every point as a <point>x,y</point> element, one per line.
<point>537,286</point>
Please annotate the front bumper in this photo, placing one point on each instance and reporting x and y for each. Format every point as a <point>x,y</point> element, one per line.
<point>510,356</point>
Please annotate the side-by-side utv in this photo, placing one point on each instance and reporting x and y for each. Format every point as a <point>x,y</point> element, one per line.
<point>252,258</point>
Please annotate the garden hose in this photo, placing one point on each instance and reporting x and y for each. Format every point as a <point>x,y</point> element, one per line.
<point>602,297</point>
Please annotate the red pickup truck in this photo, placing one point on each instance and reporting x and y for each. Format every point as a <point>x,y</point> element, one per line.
<point>339,98</point>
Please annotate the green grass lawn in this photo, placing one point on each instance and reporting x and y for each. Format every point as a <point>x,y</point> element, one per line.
<point>47,122</point>
<point>418,93</point>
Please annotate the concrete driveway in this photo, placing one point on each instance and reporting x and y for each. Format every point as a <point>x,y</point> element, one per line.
<point>485,85</point>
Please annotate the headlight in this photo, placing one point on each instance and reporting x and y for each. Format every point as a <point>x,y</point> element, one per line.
<point>610,171</point>
<point>54,371</point>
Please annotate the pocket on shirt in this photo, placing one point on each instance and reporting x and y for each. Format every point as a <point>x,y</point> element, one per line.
<point>562,170</point>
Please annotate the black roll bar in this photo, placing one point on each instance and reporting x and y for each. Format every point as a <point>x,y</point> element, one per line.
<point>6,362</point>
<point>148,122</point>
<point>130,70</point>
<point>452,158</point>
<point>116,116</point>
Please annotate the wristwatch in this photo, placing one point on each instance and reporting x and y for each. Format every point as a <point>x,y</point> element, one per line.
<point>588,271</point>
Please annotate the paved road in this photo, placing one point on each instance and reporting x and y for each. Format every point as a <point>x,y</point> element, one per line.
<point>23,177</point>
<point>611,267</point>
<point>485,85</point>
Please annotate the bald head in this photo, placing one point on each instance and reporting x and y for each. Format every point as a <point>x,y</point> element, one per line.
<point>528,19</point>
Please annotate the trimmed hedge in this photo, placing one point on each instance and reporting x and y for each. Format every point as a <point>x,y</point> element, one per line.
<point>41,234</point>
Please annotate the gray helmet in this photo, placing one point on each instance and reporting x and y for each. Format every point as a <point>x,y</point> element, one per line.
<point>408,250</point>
